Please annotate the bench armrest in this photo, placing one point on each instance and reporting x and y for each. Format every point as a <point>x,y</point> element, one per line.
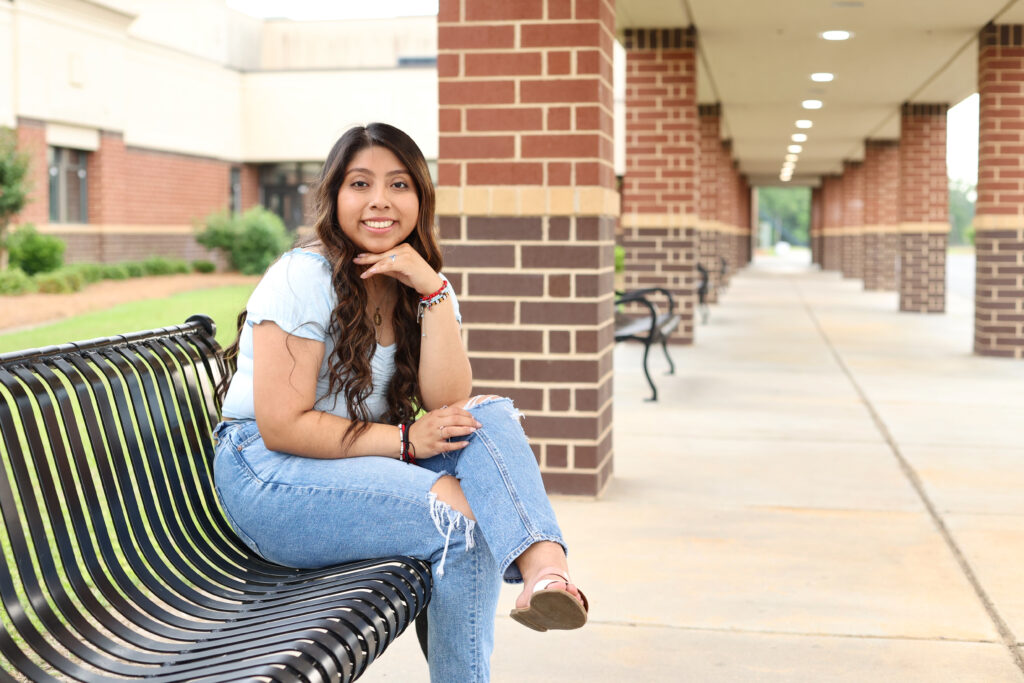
<point>640,296</point>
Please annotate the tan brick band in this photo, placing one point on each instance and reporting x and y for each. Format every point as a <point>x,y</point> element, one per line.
<point>659,220</point>
<point>880,229</point>
<point>527,201</point>
<point>925,228</point>
<point>998,222</point>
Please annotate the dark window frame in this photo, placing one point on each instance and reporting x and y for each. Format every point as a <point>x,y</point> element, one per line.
<point>61,162</point>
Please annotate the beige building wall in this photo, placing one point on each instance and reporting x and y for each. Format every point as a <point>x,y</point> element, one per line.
<point>299,115</point>
<point>353,44</point>
<point>182,79</point>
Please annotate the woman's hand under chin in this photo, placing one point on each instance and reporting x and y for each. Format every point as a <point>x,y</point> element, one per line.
<point>404,264</point>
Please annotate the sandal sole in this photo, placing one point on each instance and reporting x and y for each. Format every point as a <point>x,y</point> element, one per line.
<point>551,610</point>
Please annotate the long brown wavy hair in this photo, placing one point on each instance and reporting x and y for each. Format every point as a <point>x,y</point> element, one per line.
<point>349,371</point>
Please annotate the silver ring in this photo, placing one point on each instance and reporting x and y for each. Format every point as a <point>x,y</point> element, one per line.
<point>393,257</point>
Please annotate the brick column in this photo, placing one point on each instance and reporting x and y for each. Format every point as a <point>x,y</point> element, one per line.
<point>711,233</point>
<point>726,206</point>
<point>659,190</point>
<point>815,228</point>
<point>881,214</point>
<point>743,221</point>
<point>999,215</point>
<point>924,208</point>
<point>853,219</point>
<point>832,196</point>
<point>250,178</point>
<point>527,205</point>
<point>109,170</point>
<point>31,136</point>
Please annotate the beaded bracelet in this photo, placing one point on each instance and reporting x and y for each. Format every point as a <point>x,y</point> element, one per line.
<point>432,300</point>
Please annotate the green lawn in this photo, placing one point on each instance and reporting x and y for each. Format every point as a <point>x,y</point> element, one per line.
<point>221,303</point>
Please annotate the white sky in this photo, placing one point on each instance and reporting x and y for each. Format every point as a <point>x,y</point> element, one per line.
<point>334,9</point>
<point>962,130</point>
<point>962,141</point>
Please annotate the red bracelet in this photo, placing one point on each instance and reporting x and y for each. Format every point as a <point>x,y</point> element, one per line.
<point>444,284</point>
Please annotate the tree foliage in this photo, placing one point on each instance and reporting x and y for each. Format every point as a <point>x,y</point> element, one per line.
<point>13,185</point>
<point>962,196</point>
<point>788,211</point>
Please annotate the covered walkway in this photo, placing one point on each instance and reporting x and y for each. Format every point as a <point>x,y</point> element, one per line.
<point>828,490</point>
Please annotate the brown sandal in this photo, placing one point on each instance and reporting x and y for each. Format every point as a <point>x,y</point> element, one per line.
<point>551,608</point>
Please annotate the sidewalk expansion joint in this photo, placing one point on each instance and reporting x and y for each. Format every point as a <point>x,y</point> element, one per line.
<point>915,481</point>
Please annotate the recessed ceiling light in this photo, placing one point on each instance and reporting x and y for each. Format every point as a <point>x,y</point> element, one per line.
<point>794,149</point>
<point>811,104</point>
<point>803,123</point>
<point>822,77</point>
<point>836,35</point>
<point>785,178</point>
<point>791,157</point>
<point>799,137</point>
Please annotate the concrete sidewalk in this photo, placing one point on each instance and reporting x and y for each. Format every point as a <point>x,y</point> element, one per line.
<point>828,490</point>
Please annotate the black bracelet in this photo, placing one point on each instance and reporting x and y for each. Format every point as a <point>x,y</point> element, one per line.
<point>408,452</point>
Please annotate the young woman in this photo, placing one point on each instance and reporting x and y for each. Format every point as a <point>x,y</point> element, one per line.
<point>321,458</point>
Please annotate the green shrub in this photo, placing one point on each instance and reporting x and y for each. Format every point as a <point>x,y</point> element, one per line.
<point>60,281</point>
<point>134,268</point>
<point>89,272</point>
<point>15,281</point>
<point>115,271</point>
<point>252,240</point>
<point>35,253</point>
<point>620,259</point>
<point>158,265</point>
<point>202,266</point>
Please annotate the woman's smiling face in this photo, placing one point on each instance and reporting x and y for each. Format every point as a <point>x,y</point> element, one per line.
<point>377,204</point>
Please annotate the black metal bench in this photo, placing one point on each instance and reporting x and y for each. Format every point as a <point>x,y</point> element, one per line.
<point>652,328</point>
<point>703,290</point>
<point>118,563</point>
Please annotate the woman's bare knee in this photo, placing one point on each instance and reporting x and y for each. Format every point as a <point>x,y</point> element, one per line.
<point>478,399</point>
<point>448,490</point>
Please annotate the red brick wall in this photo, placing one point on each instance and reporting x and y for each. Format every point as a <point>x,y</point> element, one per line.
<point>526,200</point>
<point>659,189</point>
<point>131,189</point>
<point>250,186</point>
<point>32,141</point>
<point>712,240</point>
<point>924,208</point>
<point>853,219</point>
<point>881,214</point>
<point>832,219</point>
<point>999,216</point>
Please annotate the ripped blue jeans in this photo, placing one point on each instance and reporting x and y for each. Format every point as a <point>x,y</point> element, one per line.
<point>307,512</point>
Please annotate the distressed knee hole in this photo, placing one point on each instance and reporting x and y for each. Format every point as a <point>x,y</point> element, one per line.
<point>448,518</point>
<point>449,491</point>
<point>480,400</point>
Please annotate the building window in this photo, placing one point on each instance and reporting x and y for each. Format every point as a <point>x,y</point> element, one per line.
<point>235,190</point>
<point>68,185</point>
<point>285,188</point>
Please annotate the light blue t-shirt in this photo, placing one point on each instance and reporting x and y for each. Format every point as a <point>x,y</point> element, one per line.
<point>296,294</point>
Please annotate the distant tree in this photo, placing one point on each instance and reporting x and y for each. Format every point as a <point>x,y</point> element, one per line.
<point>13,186</point>
<point>788,211</point>
<point>962,196</point>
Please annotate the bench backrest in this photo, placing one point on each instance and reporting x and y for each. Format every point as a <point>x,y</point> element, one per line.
<point>99,440</point>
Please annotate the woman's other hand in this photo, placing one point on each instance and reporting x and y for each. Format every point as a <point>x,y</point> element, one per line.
<point>404,264</point>
<point>430,434</point>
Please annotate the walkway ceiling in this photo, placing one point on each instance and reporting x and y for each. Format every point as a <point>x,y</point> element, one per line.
<point>756,58</point>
